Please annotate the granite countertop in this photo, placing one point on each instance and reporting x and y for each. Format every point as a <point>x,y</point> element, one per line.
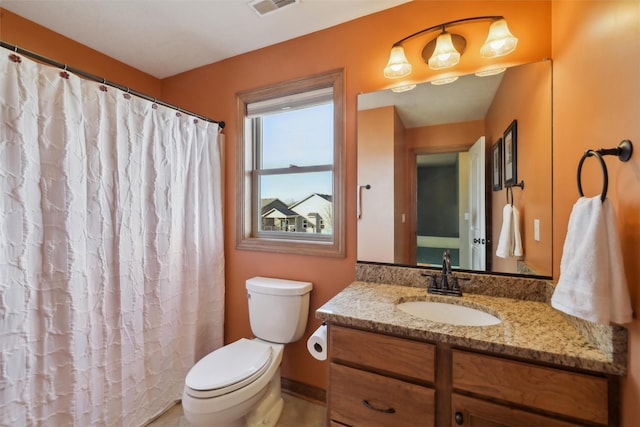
<point>531,330</point>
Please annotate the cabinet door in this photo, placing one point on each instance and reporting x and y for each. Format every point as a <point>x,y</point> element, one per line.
<point>470,412</point>
<point>572,394</point>
<point>360,398</point>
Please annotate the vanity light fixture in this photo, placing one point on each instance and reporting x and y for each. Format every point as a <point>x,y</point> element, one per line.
<point>445,50</point>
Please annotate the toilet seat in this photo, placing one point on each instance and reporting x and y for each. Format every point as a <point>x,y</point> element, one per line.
<point>228,368</point>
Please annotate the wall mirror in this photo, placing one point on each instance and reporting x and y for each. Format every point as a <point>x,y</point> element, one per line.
<point>428,178</point>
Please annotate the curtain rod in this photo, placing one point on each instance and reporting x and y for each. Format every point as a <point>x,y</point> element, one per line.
<point>90,76</point>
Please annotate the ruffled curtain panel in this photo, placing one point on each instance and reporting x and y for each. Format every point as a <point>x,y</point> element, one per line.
<point>111,250</point>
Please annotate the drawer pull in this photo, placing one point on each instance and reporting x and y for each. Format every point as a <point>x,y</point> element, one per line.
<point>373,408</point>
<point>459,418</point>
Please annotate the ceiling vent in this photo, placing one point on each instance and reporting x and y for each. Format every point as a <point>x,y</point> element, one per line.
<point>264,7</point>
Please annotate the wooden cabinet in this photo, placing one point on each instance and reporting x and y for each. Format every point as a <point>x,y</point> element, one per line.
<point>573,395</point>
<point>382,380</point>
<point>378,380</point>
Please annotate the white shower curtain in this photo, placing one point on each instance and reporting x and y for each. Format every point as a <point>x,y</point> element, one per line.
<point>111,250</point>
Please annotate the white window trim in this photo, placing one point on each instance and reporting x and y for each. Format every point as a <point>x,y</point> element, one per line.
<point>245,238</point>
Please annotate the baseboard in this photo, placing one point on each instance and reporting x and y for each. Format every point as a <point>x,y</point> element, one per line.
<point>304,391</point>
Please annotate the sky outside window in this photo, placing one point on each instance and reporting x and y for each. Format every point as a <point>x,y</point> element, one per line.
<point>300,137</point>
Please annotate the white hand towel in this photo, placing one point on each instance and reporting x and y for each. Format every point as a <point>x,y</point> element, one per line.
<point>592,283</point>
<point>515,228</point>
<point>510,242</point>
<point>505,241</point>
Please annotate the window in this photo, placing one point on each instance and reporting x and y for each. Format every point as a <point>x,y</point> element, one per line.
<point>289,170</point>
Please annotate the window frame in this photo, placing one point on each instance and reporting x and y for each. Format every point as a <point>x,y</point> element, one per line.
<point>248,238</point>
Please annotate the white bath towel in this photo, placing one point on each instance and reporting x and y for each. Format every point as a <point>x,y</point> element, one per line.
<point>592,283</point>
<point>509,242</point>
<point>517,240</point>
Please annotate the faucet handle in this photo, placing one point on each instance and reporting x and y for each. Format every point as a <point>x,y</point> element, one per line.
<point>453,280</point>
<point>433,282</point>
<point>456,285</point>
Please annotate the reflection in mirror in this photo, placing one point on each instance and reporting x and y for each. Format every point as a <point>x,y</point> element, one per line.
<point>427,156</point>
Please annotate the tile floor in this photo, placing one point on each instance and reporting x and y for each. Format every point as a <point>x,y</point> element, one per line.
<point>296,413</point>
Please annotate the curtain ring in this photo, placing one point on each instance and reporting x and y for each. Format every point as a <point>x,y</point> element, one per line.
<point>605,175</point>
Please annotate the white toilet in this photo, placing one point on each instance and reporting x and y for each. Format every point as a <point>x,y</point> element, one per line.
<point>239,384</point>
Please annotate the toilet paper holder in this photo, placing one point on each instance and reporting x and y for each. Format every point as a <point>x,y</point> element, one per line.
<point>317,347</point>
<point>317,343</point>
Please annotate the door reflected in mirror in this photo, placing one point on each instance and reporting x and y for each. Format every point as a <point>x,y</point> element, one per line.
<point>426,156</point>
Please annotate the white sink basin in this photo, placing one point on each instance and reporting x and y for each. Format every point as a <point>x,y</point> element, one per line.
<point>452,314</point>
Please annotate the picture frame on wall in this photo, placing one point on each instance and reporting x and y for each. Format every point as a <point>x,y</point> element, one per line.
<point>496,165</point>
<point>510,141</point>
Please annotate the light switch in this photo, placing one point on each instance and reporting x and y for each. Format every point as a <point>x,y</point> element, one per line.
<point>536,230</point>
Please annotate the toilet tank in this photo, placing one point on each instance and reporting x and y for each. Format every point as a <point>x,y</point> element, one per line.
<point>278,308</point>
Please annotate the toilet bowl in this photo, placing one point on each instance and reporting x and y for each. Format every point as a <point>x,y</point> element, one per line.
<point>238,385</point>
<point>246,393</point>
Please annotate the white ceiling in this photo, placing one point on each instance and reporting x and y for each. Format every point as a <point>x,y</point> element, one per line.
<point>167,37</point>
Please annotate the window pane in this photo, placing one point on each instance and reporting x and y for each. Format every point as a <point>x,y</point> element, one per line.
<point>297,202</point>
<point>301,137</point>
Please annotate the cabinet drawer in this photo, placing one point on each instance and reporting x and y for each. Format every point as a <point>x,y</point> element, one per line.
<point>399,356</point>
<point>577,395</point>
<point>390,402</point>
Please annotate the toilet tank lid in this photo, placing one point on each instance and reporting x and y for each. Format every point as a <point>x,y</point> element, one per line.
<point>272,286</point>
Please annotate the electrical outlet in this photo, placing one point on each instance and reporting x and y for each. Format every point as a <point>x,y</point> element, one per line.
<point>536,230</point>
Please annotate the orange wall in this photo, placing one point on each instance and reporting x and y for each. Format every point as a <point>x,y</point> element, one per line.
<point>445,138</point>
<point>33,37</point>
<point>596,103</point>
<point>524,95</point>
<point>363,53</point>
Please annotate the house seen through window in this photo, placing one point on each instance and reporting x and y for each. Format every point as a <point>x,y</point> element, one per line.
<point>291,168</point>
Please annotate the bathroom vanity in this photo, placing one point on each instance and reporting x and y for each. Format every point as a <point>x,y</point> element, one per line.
<point>537,367</point>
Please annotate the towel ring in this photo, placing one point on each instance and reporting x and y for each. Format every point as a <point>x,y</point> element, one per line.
<point>509,189</point>
<point>623,152</point>
<point>605,175</point>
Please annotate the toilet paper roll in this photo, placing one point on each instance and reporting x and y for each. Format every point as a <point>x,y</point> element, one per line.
<point>317,343</point>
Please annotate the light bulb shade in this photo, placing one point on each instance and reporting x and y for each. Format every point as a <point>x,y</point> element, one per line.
<point>491,72</point>
<point>445,54</point>
<point>398,65</point>
<point>444,81</point>
<point>403,88</point>
<point>499,42</point>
